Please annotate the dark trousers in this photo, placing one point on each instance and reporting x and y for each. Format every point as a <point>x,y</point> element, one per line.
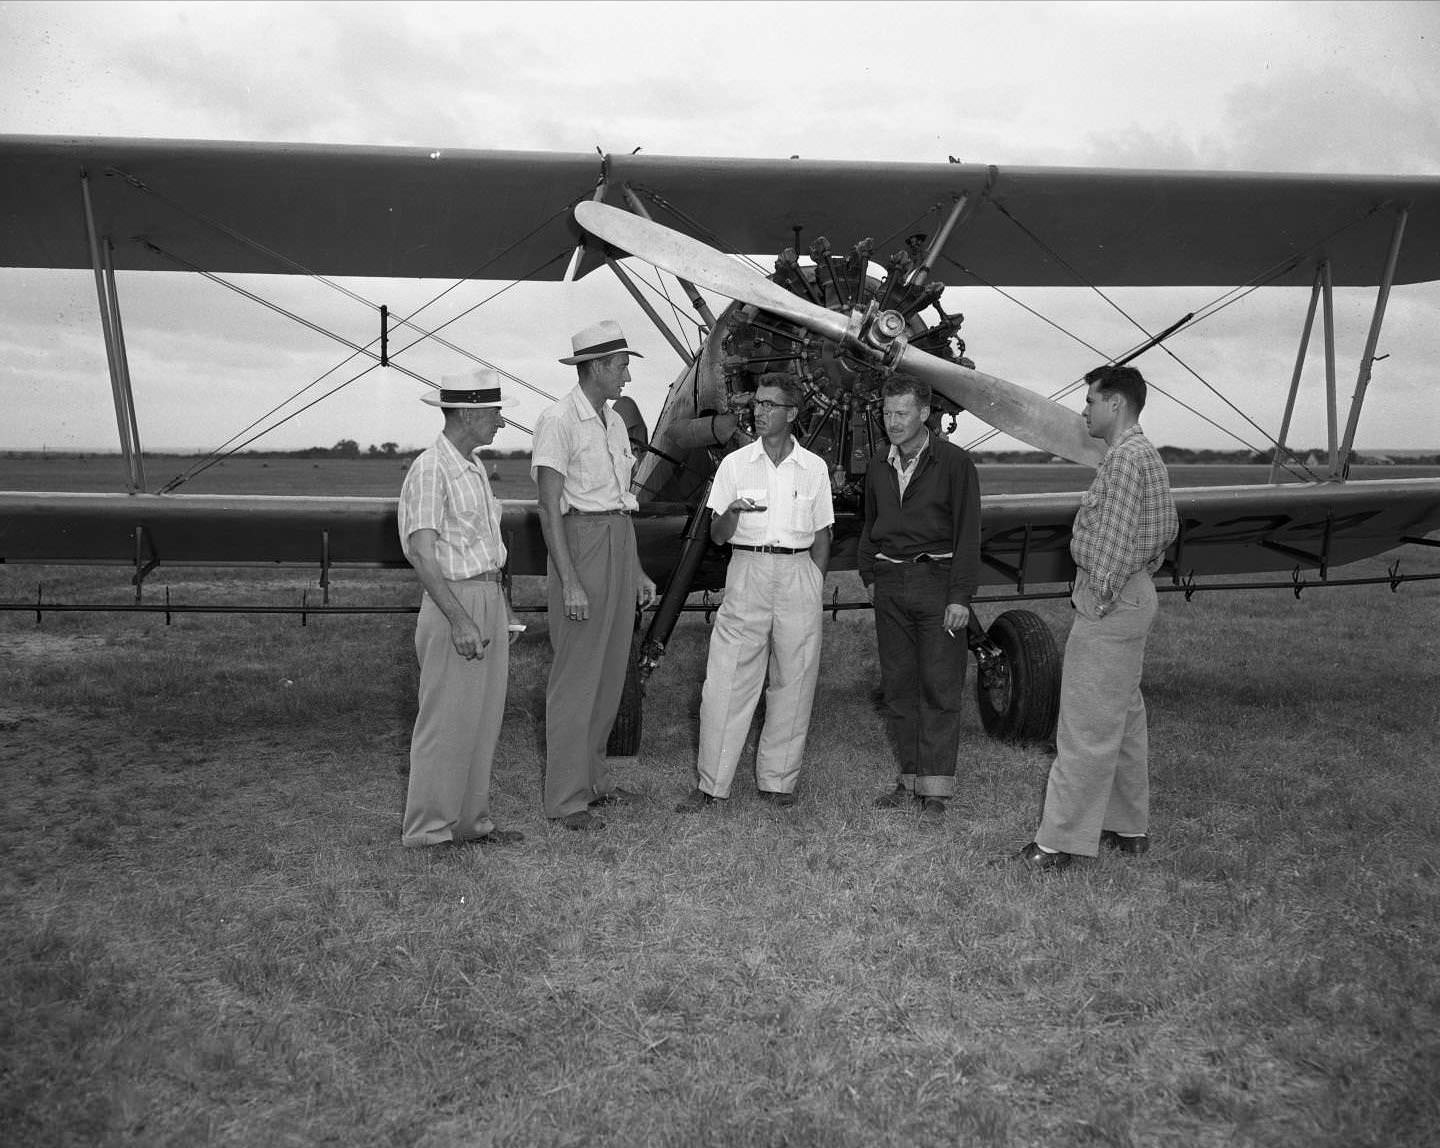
<point>922,673</point>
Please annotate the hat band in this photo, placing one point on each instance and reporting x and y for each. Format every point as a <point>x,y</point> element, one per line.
<point>489,396</point>
<point>601,348</point>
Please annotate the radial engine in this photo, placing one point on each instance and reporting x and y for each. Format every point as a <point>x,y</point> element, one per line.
<point>710,411</point>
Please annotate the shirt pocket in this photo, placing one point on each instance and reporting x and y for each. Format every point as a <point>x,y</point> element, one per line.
<point>797,520</point>
<point>589,466</point>
<point>802,514</point>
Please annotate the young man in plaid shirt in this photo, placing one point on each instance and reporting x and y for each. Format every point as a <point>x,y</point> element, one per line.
<point>1099,787</point>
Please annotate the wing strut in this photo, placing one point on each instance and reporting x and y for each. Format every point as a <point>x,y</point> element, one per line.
<point>697,300</point>
<point>109,301</point>
<point>1305,332</point>
<point>1327,293</point>
<point>1367,360</point>
<point>598,196</point>
<point>670,337</point>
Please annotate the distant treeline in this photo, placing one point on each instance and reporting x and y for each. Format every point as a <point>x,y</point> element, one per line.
<point>349,448</point>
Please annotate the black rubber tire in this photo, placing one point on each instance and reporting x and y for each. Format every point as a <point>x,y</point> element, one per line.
<point>630,718</point>
<point>1024,710</point>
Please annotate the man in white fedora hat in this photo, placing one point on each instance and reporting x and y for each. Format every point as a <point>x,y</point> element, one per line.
<point>450,529</point>
<point>582,461</point>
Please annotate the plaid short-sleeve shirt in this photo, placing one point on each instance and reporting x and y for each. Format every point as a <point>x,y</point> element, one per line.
<point>450,494</point>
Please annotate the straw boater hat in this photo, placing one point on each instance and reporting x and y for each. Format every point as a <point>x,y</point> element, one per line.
<point>478,388</point>
<point>604,338</point>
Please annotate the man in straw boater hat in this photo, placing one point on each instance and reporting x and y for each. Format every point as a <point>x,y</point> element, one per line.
<point>582,461</point>
<point>450,529</point>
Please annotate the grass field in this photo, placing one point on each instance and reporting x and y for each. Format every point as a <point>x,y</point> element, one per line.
<point>212,936</point>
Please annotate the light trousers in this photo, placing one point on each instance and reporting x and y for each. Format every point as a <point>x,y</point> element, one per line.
<point>1100,778</point>
<point>462,704</point>
<point>769,622</point>
<point>587,675</point>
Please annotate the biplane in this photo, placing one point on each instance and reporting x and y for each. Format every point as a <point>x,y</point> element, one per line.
<point>841,319</point>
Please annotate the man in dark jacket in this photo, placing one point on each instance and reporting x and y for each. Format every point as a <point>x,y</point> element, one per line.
<point>920,559</point>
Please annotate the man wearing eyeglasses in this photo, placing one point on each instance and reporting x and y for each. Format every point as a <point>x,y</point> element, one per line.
<point>771,501</point>
<point>919,557</point>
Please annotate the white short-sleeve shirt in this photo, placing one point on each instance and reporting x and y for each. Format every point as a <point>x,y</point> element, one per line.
<point>795,494</point>
<point>595,458</point>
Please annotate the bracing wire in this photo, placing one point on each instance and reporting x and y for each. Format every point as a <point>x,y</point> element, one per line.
<point>216,457</point>
<point>661,291</point>
<point>225,450</point>
<point>357,349</point>
<point>697,227</point>
<point>909,228</point>
<point>405,321</point>
<point>1209,310</point>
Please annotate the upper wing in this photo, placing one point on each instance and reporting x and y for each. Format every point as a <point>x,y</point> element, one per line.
<point>504,215</point>
<point>394,212</point>
<point>1145,228</point>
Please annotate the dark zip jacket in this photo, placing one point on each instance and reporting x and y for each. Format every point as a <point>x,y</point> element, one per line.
<point>940,513</point>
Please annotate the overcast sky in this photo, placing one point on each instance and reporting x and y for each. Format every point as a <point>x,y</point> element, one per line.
<point>1307,87</point>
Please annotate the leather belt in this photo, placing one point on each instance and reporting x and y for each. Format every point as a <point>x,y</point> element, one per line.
<point>917,560</point>
<point>769,549</point>
<point>487,576</point>
<point>598,513</point>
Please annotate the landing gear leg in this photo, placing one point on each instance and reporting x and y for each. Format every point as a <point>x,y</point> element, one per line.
<point>645,654</point>
<point>630,718</point>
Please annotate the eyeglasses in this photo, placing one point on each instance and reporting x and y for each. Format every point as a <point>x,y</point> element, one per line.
<point>768,405</point>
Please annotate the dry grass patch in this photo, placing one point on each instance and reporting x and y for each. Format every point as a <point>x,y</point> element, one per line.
<point>212,936</point>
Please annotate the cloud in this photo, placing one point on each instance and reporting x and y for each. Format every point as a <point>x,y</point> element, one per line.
<point>1328,119</point>
<point>1275,86</point>
<point>1313,120</point>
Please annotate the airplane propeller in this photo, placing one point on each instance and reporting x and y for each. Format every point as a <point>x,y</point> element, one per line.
<point>875,334</point>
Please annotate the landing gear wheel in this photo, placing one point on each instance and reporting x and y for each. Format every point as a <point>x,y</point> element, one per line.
<point>1019,698</point>
<point>630,718</point>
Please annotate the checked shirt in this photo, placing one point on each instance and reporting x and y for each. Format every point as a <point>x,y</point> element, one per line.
<point>1126,518</point>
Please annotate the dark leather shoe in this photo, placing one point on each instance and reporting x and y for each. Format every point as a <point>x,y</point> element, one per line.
<point>779,800</point>
<point>497,837</point>
<point>897,798</point>
<point>1037,860</point>
<point>932,808</point>
<point>617,796</point>
<point>494,837</point>
<point>695,801</point>
<point>1132,845</point>
<point>582,822</point>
